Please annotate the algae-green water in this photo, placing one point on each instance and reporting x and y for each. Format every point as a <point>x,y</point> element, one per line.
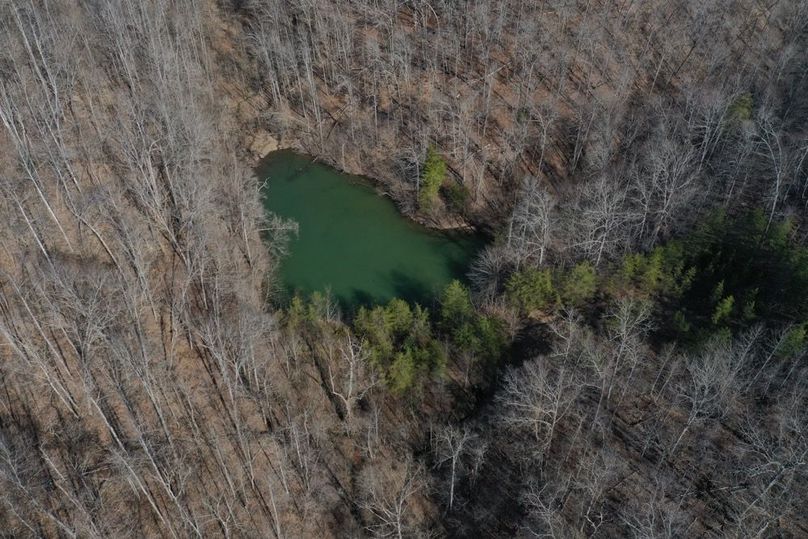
<point>352,241</point>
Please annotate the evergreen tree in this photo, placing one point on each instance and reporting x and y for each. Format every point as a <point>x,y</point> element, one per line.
<point>531,289</point>
<point>432,176</point>
<point>579,285</point>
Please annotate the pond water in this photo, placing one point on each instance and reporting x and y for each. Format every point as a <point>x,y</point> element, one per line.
<point>354,242</point>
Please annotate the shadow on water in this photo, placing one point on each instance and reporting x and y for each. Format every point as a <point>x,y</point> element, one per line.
<point>290,173</point>
<point>350,303</point>
<point>410,288</point>
<point>457,258</point>
<point>458,265</point>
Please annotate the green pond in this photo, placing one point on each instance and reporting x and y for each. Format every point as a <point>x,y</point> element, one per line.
<point>353,242</point>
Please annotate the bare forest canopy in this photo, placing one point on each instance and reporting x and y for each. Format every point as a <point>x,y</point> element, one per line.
<point>629,358</point>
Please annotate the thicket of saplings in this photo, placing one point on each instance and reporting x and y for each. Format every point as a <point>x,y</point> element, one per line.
<point>628,358</point>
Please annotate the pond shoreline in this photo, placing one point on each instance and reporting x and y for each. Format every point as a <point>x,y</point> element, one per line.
<point>262,143</point>
<point>353,240</point>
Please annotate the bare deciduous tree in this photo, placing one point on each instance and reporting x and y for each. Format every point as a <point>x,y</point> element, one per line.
<point>530,227</point>
<point>353,378</point>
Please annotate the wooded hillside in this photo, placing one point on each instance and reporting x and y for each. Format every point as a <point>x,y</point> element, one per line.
<point>628,357</point>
